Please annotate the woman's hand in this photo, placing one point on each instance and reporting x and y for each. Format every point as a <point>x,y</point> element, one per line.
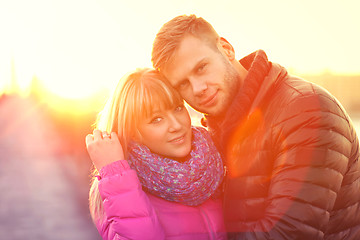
<point>103,148</point>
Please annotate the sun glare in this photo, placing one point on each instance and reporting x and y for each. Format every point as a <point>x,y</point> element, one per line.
<point>77,48</point>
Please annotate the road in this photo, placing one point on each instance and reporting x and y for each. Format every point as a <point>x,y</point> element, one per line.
<point>43,195</point>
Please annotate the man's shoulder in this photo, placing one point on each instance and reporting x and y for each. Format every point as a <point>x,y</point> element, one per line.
<point>296,95</point>
<point>295,87</point>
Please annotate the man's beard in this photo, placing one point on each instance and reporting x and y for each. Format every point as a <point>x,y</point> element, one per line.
<point>231,84</point>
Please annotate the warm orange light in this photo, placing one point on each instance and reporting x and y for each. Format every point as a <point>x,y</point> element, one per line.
<point>76,52</point>
<point>237,163</point>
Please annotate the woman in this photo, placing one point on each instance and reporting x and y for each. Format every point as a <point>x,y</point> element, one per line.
<point>168,186</point>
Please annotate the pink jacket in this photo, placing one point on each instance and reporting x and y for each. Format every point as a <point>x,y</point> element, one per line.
<point>131,213</point>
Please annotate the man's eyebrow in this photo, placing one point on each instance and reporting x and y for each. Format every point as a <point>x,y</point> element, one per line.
<point>197,65</point>
<point>193,70</point>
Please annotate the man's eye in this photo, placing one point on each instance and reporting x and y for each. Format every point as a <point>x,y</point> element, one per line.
<point>201,68</point>
<point>182,85</point>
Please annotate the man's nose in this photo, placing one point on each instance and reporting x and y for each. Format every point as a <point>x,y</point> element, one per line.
<point>198,86</point>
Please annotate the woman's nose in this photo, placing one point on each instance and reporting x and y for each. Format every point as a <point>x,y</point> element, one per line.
<point>174,124</point>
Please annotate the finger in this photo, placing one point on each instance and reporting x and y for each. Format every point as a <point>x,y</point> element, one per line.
<point>113,135</point>
<point>105,134</point>
<point>97,135</point>
<point>88,139</point>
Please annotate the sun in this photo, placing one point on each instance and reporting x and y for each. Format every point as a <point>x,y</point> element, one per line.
<point>71,89</point>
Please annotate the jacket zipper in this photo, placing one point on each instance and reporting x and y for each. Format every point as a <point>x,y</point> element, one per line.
<point>224,181</point>
<point>211,231</point>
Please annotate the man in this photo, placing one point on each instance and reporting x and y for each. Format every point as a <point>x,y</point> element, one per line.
<point>291,151</point>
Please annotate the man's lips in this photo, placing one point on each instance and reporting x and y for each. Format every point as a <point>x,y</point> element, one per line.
<point>208,100</point>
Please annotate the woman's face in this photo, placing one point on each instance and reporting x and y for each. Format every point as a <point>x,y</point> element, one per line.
<point>167,132</point>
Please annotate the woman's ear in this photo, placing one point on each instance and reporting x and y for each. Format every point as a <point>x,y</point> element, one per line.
<point>136,136</point>
<point>227,48</point>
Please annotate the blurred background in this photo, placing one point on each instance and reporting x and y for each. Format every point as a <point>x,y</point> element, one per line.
<point>60,59</point>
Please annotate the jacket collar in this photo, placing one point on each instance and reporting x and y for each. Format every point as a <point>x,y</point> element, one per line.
<point>258,68</point>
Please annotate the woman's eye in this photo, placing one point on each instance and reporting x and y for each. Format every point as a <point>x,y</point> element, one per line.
<point>179,108</point>
<point>156,120</point>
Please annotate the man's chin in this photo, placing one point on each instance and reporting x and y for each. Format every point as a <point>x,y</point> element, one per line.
<point>216,113</point>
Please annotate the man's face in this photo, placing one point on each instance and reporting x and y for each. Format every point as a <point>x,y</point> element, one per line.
<point>203,76</point>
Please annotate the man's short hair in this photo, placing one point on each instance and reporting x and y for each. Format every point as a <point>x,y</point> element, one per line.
<point>171,33</point>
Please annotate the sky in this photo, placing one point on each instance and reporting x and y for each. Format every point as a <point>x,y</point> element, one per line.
<point>77,47</point>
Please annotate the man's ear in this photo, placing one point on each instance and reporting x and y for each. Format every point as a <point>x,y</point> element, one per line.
<point>227,48</point>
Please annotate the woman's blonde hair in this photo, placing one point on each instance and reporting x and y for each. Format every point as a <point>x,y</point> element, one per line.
<point>133,99</point>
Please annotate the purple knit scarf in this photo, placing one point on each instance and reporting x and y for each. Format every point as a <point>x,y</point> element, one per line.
<point>191,182</point>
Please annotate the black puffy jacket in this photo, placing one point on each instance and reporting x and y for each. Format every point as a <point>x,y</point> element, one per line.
<point>292,156</point>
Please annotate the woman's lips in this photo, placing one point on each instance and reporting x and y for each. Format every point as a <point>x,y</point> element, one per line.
<point>180,139</point>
